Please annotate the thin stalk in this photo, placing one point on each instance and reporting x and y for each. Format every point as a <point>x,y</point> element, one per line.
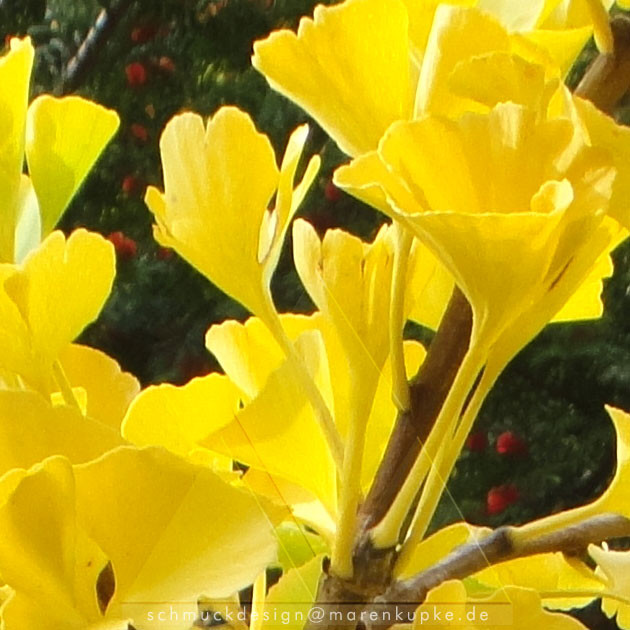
<point>350,485</point>
<point>400,385</point>
<point>322,413</point>
<point>64,386</point>
<point>602,31</point>
<point>554,523</point>
<point>443,467</point>
<point>258,601</point>
<point>386,533</point>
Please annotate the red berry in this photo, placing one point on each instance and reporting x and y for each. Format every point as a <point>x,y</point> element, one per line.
<point>116,239</point>
<point>164,253</point>
<point>477,442</point>
<point>136,74</point>
<point>139,132</point>
<point>510,444</point>
<point>142,34</point>
<point>130,248</point>
<point>331,192</point>
<point>125,247</point>
<point>500,497</point>
<point>130,184</point>
<point>167,65</point>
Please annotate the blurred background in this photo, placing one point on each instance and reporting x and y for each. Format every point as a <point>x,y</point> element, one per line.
<point>543,441</point>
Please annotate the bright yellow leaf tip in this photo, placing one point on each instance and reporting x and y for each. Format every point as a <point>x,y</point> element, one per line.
<point>15,72</point>
<point>62,138</point>
<point>559,28</point>
<point>259,412</point>
<point>471,190</point>
<point>46,302</point>
<point>354,96</point>
<point>350,282</point>
<point>31,430</point>
<point>109,390</point>
<point>171,531</point>
<point>399,52</point>
<point>219,181</point>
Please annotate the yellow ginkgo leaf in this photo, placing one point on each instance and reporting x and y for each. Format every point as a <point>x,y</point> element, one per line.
<point>561,28</point>
<point>205,416</point>
<point>49,300</point>
<point>64,137</point>
<point>557,50</point>
<point>514,207</point>
<point>586,302</point>
<point>457,33</point>
<point>521,16</point>
<point>280,421</point>
<point>571,288</point>
<point>486,192</point>
<point>219,181</point>
<point>421,15</point>
<point>615,567</point>
<point>566,15</point>
<point>498,77</point>
<point>149,512</point>
<point>383,413</point>
<point>354,96</point>
<point>172,531</point>
<point>15,73</point>
<point>603,132</point>
<point>613,499</point>
<point>31,429</point>
<point>248,352</point>
<point>304,507</point>
<point>550,574</point>
<point>109,390</point>
<point>290,600</point>
<point>28,232</point>
<point>429,286</point>
<point>179,418</point>
<point>436,547</point>
<point>47,559</point>
<point>350,281</point>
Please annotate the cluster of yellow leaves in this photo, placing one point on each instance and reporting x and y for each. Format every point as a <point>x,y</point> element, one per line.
<point>460,130</point>
<point>61,139</point>
<point>94,531</point>
<point>496,178</point>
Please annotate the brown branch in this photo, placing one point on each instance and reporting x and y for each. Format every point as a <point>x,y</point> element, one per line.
<point>501,546</point>
<point>607,79</point>
<point>428,391</point>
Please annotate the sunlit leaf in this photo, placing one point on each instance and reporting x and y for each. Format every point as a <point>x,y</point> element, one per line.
<point>64,137</point>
